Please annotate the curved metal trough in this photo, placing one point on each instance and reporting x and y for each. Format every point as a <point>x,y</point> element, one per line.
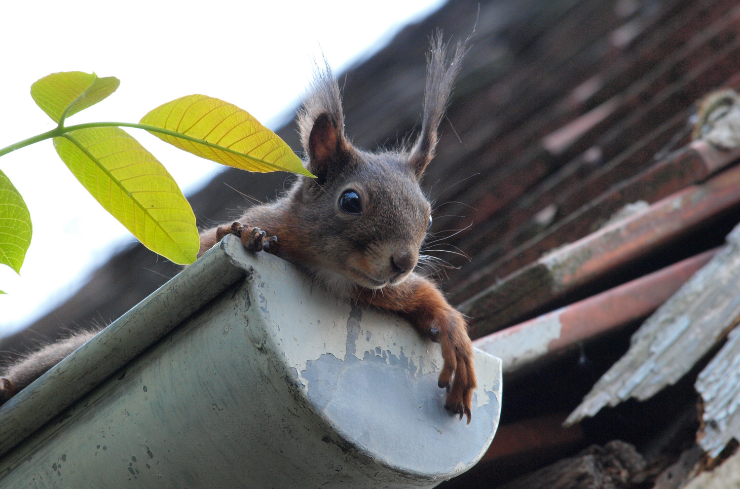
<point>240,373</point>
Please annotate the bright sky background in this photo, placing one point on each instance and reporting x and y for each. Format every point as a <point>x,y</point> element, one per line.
<point>256,55</point>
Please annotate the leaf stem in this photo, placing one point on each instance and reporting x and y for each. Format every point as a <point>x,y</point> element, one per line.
<point>62,130</point>
<point>58,131</point>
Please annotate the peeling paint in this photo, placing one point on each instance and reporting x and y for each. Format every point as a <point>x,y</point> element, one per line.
<point>304,368</point>
<point>370,370</point>
<point>719,386</point>
<point>668,335</point>
<point>340,337</point>
<point>371,402</point>
<point>668,345</point>
<point>518,346</point>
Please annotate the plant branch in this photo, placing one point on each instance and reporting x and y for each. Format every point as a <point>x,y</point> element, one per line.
<point>62,130</point>
<point>27,142</point>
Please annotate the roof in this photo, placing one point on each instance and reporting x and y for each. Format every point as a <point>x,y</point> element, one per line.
<point>567,172</point>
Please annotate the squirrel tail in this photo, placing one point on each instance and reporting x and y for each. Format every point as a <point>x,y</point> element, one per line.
<point>31,366</point>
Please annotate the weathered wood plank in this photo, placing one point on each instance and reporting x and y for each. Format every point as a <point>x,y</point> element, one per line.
<point>719,386</point>
<point>690,165</point>
<point>616,465</point>
<point>532,437</point>
<point>673,32</point>
<point>705,65</point>
<point>602,252</point>
<point>495,242</point>
<point>533,342</point>
<point>725,476</point>
<point>678,474</point>
<point>673,339</point>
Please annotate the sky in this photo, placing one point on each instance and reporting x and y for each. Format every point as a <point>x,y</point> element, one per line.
<point>256,55</point>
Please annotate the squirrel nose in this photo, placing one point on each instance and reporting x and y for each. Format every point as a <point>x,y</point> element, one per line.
<point>402,262</point>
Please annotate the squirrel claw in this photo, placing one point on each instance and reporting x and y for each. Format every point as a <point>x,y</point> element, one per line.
<point>460,410</point>
<point>270,246</point>
<point>434,335</point>
<point>457,352</point>
<point>455,408</point>
<point>236,228</point>
<point>254,239</point>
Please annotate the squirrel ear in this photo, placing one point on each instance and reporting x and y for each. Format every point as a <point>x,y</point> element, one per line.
<point>324,144</point>
<point>441,72</point>
<point>321,121</point>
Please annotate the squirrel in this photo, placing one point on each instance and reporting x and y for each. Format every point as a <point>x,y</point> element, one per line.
<point>356,229</point>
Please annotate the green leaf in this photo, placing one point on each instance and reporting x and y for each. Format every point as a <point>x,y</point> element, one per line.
<point>224,133</point>
<point>61,95</point>
<point>15,225</point>
<point>134,187</point>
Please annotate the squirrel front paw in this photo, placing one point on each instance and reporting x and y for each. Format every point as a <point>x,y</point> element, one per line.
<point>458,369</point>
<point>253,238</point>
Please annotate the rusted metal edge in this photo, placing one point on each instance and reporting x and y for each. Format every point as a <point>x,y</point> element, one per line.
<point>723,477</point>
<point>596,255</point>
<point>536,341</point>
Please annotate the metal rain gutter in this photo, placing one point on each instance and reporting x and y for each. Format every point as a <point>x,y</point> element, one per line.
<point>240,372</point>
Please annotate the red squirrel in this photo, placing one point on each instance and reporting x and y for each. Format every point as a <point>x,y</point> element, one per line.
<point>357,229</point>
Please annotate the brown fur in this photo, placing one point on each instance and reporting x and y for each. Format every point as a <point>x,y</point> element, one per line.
<point>368,257</point>
<point>31,366</point>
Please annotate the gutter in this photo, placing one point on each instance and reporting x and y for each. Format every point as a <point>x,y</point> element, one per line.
<point>240,372</point>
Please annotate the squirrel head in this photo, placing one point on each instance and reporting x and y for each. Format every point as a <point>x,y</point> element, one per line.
<point>365,214</point>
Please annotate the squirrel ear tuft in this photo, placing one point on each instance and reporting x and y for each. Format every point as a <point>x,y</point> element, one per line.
<point>324,144</point>
<point>321,120</point>
<point>442,68</point>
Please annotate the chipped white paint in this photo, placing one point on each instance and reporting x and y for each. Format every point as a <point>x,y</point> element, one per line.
<point>225,399</point>
<point>488,385</point>
<point>322,325</point>
<point>524,344</point>
<point>667,336</point>
<point>719,386</point>
<point>628,210</point>
<point>676,336</point>
<point>636,378</point>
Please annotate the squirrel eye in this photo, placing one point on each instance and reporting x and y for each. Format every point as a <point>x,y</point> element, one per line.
<point>349,202</point>
<point>429,224</point>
